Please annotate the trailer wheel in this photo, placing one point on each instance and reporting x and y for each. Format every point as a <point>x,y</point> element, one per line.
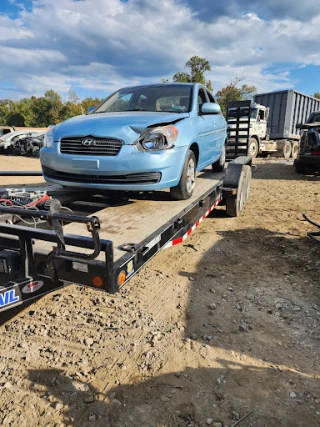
<point>235,204</point>
<point>286,150</point>
<point>186,184</point>
<point>294,151</point>
<point>248,175</point>
<point>218,166</point>
<point>253,148</point>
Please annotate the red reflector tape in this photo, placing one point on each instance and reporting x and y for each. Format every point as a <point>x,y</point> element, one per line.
<point>183,238</point>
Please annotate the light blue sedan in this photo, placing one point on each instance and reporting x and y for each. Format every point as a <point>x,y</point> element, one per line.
<point>140,138</point>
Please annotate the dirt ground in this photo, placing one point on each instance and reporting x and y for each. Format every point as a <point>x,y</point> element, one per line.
<point>210,330</point>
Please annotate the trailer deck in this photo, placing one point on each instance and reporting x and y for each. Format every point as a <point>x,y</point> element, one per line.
<point>133,219</point>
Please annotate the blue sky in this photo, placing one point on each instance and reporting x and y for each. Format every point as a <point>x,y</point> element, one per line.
<point>96,46</point>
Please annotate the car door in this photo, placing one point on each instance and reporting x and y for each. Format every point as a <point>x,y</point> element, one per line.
<point>208,137</point>
<point>219,130</point>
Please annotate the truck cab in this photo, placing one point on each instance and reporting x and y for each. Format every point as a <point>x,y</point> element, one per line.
<point>258,121</point>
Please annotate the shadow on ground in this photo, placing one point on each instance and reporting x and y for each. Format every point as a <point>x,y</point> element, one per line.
<point>252,317</point>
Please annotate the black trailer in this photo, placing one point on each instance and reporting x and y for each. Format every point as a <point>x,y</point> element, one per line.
<point>115,243</point>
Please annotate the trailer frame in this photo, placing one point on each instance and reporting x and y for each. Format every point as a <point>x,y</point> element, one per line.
<point>27,273</point>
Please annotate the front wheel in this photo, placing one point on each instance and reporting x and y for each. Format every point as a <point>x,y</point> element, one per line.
<point>253,148</point>
<point>187,181</point>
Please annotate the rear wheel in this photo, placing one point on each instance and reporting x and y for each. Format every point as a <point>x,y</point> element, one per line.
<point>294,151</point>
<point>253,148</point>
<point>286,150</point>
<point>218,166</point>
<point>187,181</point>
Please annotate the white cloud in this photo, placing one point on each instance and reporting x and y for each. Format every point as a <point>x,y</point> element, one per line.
<point>102,45</point>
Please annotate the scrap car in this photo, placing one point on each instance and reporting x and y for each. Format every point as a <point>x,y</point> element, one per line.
<point>308,160</point>
<point>10,141</point>
<point>140,138</point>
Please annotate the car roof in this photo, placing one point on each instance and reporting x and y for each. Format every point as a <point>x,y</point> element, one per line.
<point>161,85</point>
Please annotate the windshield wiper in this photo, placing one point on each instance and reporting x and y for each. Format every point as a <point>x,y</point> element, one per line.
<point>140,109</point>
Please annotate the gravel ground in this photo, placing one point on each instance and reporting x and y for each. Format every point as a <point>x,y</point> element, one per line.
<point>208,331</point>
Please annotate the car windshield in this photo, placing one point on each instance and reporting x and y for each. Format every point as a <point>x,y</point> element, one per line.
<point>165,98</point>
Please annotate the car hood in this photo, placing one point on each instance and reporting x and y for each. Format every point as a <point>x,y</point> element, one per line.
<point>126,126</point>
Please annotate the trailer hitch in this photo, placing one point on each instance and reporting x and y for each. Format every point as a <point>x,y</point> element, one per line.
<point>55,220</point>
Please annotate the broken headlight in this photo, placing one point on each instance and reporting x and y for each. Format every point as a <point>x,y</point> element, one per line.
<point>160,138</point>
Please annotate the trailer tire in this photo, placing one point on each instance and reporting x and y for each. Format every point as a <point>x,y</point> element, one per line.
<point>218,166</point>
<point>184,189</point>
<point>294,150</point>
<point>235,204</point>
<point>286,151</point>
<point>248,175</point>
<point>253,148</point>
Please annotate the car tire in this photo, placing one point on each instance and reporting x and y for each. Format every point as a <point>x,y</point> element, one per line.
<point>184,189</point>
<point>218,166</point>
<point>294,151</point>
<point>253,148</point>
<point>286,151</point>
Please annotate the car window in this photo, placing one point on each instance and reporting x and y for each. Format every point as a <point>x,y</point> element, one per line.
<point>201,99</point>
<point>171,98</point>
<point>210,96</point>
<point>120,103</point>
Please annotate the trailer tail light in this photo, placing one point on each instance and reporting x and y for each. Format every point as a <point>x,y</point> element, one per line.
<point>97,281</point>
<point>315,153</point>
<point>121,278</point>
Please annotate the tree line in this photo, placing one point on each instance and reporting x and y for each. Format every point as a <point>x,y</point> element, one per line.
<point>50,109</point>
<point>43,111</point>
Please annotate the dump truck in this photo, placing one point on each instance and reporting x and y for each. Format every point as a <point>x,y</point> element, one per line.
<point>273,120</point>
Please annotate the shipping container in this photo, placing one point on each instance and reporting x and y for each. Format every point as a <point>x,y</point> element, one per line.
<point>287,109</point>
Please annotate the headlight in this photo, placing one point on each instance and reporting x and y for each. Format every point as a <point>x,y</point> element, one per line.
<point>48,138</point>
<point>160,138</point>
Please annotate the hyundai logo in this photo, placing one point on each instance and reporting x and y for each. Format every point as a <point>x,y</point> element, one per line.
<point>88,141</point>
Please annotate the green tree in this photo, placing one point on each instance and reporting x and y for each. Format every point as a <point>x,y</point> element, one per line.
<point>15,119</point>
<point>231,93</point>
<point>6,108</point>
<point>90,102</point>
<point>47,109</point>
<point>317,95</point>
<point>43,111</point>
<point>198,66</point>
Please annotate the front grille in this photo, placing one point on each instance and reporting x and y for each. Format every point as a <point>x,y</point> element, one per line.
<point>98,146</point>
<point>133,178</point>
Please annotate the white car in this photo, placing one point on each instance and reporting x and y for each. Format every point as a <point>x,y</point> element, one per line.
<point>8,140</point>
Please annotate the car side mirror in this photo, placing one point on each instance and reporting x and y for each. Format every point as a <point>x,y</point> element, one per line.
<point>90,109</point>
<point>301,126</point>
<point>210,108</point>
